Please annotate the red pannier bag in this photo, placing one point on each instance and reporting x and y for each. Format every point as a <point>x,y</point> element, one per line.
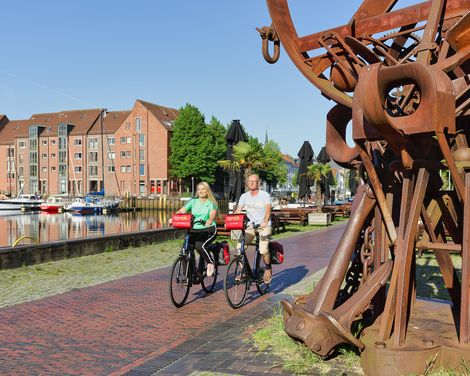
<point>180,220</point>
<point>235,221</point>
<point>277,253</point>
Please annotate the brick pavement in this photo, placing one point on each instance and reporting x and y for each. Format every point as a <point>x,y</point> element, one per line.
<point>126,325</point>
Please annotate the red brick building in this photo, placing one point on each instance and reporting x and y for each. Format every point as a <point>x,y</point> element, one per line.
<point>70,152</point>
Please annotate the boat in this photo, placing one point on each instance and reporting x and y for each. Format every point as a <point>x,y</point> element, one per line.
<point>53,204</point>
<point>22,201</point>
<point>85,205</point>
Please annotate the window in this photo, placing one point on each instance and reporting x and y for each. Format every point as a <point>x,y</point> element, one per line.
<point>138,127</point>
<point>93,170</point>
<point>20,158</point>
<point>111,141</point>
<point>111,169</point>
<point>53,168</point>
<point>128,125</point>
<point>77,155</point>
<point>123,140</point>
<point>128,168</point>
<point>141,140</point>
<point>20,171</point>
<point>93,143</point>
<point>52,142</point>
<point>33,170</point>
<point>44,169</point>
<point>111,155</point>
<point>93,156</point>
<point>125,154</point>
<point>123,168</point>
<point>22,144</point>
<point>141,155</point>
<point>62,170</point>
<point>52,155</point>
<point>10,152</point>
<point>78,168</point>
<point>62,157</point>
<point>141,169</point>
<point>44,142</point>
<point>44,156</point>
<point>77,141</point>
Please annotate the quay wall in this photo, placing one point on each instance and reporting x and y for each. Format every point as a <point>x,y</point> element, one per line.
<point>31,254</point>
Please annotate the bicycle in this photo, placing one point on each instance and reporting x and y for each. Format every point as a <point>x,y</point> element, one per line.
<point>240,276</point>
<point>184,272</point>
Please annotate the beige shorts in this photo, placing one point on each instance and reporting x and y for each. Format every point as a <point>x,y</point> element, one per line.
<point>264,238</point>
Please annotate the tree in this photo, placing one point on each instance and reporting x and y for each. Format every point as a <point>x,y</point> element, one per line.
<point>316,172</point>
<point>275,170</point>
<point>195,146</point>
<point>247,156</point>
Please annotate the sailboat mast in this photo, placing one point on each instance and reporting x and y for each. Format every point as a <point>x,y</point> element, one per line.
<point>102,146</point>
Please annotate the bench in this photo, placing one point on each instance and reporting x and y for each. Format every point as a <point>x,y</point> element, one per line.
<point>290,215</point>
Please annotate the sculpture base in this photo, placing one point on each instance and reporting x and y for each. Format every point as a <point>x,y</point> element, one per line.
<point>431,342</point>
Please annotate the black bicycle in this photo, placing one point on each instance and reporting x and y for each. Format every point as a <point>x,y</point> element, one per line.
<point>185,273</point>
<point>240,276</point>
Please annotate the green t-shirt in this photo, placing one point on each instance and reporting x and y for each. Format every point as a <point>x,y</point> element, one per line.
<point>200,210</point>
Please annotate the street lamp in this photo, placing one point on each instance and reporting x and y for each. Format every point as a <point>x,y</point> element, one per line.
<point>192,185</point>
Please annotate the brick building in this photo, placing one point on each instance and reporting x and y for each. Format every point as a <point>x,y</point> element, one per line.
<point>70,152</point>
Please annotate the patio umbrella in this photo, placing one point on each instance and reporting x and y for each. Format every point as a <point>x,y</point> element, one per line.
<point>305,155</point>
<point>235,134</point>
<point>326,181</point>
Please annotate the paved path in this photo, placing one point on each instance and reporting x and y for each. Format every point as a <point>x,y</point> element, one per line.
<point>129,325</point>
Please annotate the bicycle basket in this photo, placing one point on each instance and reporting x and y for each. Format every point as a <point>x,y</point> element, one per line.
<point>182,220</point>
<point>277,253</point>
<point>235,221</point>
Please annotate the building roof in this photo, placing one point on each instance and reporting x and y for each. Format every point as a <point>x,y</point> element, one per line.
<point>14,129</point>
<point>166,115</point>
<point>111,122</point>
<point>82,121</point>
<point>289,159</point>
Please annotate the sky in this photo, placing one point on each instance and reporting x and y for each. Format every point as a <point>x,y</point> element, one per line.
<point>66,55</point>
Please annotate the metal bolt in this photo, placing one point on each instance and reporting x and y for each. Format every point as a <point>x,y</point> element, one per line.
<point>380,345</point>
<point>317,347</point>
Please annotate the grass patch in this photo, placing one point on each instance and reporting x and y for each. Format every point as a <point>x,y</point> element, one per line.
<point>293,229</point>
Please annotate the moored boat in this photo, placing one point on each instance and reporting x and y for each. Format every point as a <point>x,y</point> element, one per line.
<point>27,201</point>
<point>85,205</point>
<point>53,204</point>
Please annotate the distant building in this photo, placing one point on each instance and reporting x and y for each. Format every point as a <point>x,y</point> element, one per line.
<point>292,166</point>
<point>70,152</point>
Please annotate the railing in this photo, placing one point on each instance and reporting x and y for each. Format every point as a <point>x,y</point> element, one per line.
<point>161,203</point>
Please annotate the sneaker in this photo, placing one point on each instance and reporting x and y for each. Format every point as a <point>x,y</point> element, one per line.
<point>268,275</point>
<point>210,269</point>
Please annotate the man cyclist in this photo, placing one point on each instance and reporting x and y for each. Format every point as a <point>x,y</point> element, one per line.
<point>257,204</point>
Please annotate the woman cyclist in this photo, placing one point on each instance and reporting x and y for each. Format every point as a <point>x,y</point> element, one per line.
<point>204,210</point>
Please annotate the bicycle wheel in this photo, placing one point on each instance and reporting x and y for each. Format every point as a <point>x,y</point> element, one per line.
<point>236,283</point>
<point>180,281</point>
<point>208,283</point>
<point>261,286</point>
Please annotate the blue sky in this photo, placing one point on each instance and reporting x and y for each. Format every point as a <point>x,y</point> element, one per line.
<point>64,55</point>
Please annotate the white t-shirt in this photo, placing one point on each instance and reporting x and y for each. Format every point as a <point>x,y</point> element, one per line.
<point>255,206</point>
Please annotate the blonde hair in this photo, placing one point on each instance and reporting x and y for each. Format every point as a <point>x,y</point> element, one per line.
<point>210,195</point>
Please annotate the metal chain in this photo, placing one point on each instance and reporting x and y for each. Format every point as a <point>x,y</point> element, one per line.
<point>367,253</point>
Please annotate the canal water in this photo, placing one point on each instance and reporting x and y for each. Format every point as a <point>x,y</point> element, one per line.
<point>44,227</point>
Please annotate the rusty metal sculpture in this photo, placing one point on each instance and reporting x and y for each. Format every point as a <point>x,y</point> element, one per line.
<point>409,75</point>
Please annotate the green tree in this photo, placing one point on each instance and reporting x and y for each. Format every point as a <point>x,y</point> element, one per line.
<point>195,146</point>
<point>316,172</point>
<point>247,156</point>
<point>275,170</point>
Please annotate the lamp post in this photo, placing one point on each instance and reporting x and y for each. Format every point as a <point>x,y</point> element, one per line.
<point>192,185</point>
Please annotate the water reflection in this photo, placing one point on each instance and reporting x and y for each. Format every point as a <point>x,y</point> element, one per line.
<point>45,227</point>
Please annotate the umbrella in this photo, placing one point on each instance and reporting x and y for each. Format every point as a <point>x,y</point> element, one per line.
<point>305,155</point>
<point>235,134</point>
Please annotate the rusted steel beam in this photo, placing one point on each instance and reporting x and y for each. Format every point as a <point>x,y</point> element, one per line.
<point>407,252</point>
<point>382,23</point>
<point>448,247</point>
<point>464,329</point>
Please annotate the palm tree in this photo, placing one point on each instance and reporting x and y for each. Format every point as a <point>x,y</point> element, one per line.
<point>245,156</point>
<point>316,172</point>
